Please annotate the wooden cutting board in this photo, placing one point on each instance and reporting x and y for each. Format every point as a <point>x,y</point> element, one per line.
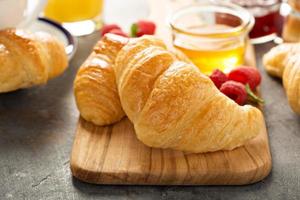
<point>113,155</point>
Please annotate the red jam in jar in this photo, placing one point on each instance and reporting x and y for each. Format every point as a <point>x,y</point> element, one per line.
<point>268,20</point>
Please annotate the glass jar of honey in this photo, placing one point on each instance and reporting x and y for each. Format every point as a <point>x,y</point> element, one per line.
<point>213,35</point>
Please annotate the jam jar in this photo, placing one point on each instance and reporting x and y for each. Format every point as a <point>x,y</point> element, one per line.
<point>268,19</point>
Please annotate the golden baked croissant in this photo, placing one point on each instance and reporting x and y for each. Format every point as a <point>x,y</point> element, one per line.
<point>173,105</point>
<point>283,61</point>
<point>29,59</point>
<point>95,87</point>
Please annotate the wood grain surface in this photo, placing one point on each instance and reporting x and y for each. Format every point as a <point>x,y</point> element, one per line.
<point>113,155</point>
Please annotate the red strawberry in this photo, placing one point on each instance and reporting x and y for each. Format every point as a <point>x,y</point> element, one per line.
<point>118,32</point>
<point>142,27</point>
<point>235,91</point>
<point>246,75</point>
<point>218,77</point>
<point>107,28</point>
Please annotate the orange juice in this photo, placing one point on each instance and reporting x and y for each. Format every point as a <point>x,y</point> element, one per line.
<point>212,53</point>
<point>73,10</point>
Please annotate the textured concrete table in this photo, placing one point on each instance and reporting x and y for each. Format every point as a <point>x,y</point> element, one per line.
<point>37,128</point>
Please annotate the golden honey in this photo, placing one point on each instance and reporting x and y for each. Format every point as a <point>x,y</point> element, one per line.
<point>207,55</point>
<point>212,34</point>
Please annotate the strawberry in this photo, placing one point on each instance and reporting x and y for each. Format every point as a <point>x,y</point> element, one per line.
<point>218,77</point>
<point>246,75</point>
<point>142,27</point>
<point>118,32</point>
<point>235,91</point>
<point>107,28</point>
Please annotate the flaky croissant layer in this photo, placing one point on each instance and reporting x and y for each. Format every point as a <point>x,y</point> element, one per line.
<point>95,86</point>
<point>173,105</point>
<point>169,101</point>
<point>29,59</point>
<point>283,61</point>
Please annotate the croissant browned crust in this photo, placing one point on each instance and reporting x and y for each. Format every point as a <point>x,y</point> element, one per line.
<point>29,59</point>
<point>173,105</point>
<point>283,61</point>
<point>95,86</point>
<point>169,101</point>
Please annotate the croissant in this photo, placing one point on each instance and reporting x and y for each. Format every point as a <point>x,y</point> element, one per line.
<point>173,105</point>
<point>29,59</point>
<point>95,87</point>
<point>283,61</point>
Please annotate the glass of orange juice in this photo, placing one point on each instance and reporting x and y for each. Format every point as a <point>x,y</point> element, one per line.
<point>213,35</point>
<point>79,17</point>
